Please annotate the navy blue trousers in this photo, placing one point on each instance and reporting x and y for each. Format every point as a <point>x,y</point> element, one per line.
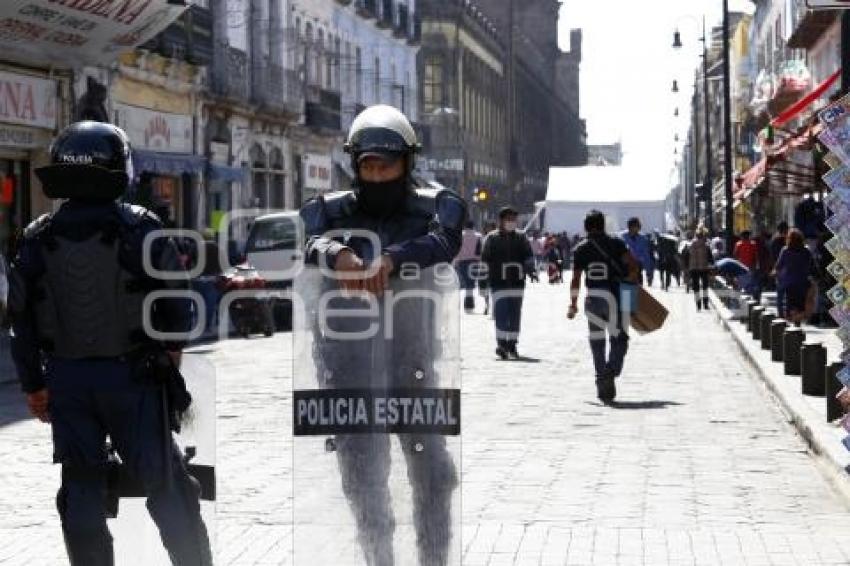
<point>90,400</point>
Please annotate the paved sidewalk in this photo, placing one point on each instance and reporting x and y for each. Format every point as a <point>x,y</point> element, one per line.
<point>695,465</point>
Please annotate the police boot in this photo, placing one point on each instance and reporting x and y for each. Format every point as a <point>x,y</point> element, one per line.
<point>89,549</point>
<point>705,303</point>
<point>468,303</point>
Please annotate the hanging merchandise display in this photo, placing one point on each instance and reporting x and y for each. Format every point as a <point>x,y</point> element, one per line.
<point>836,137</point>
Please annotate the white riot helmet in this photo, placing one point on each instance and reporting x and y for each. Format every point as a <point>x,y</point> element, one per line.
<point>382,130</point>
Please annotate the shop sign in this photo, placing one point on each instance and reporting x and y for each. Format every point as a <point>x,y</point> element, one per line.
<point>28,101</point>
<point>156,131</point>
<point>445,164</point>
<point>74,33</point>
<point>317,171</point>
<point>27,138</point>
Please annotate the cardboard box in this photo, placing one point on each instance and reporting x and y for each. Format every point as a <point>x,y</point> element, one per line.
<point>649,315</point>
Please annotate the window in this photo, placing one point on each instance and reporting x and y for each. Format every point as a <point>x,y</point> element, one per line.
<point>308,53</point>
<point>377,85</point>
<point>337,82</point>
<point>259,176</point>
<point>432,85</point>
<point>320,47</point>
<point>348,68</point>
<point>358,72</point>
<point>276,180</point>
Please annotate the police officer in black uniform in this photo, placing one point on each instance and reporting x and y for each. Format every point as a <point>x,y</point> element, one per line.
<point>417,227</point>
<point>78,284</point>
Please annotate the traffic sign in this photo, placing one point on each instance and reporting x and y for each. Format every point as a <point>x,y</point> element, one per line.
<point>827,4</point>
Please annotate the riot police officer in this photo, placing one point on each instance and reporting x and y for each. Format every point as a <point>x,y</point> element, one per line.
<point>413,227</point>
<point>77,291</point>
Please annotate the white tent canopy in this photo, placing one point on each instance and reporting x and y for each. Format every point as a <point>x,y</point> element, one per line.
<point>619,192</point>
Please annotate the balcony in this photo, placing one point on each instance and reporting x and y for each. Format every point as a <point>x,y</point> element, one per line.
<point>188,39</point>
<point>811,27</point>
<point>344,2</point>
<point>277,90</point>
<point>401,29</point>
<point>323,109</point>
<point>386,19</point>
<point>229,78</point>
<point>415,32</point>
<point>367,8</point>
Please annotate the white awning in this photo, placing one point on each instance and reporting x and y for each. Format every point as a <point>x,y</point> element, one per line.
<point>76,33</point>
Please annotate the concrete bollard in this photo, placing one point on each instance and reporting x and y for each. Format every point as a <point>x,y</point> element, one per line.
<point>777,331</point>
<point>792,342</point>
<point>833,386</point>
<point>755,322</point>
<point>767,319</point>
<point>751,306</point>
<point>813,362</point>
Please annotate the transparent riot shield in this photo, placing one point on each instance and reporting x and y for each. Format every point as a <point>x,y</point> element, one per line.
<point>136,537</point>
<point>376,418</point>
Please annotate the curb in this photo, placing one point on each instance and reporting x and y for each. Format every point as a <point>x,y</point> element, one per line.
<point>823,438</point>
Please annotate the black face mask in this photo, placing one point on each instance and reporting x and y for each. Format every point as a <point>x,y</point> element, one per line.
<point>382,199</point>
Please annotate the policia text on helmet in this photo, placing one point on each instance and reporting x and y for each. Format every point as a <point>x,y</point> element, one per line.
<point>383,146</point>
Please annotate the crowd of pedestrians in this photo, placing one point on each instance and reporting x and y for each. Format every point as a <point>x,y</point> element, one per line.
<point>499,259</point>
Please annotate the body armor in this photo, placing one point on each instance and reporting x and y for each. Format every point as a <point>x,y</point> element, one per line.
<point>87,303</point>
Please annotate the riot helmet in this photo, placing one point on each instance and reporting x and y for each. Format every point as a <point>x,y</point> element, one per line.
<point>383,131</point>
<point>88,161</point>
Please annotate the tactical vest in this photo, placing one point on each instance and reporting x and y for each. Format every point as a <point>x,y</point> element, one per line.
<point>86,304</point>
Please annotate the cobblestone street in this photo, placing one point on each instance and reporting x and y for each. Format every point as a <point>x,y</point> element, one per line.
<point>694,465</point>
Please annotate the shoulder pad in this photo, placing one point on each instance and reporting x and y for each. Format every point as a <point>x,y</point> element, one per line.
<point>339,204</point>
<point>318,212</point>
<point>423,201</point>
<point>37,226</point>
<point>135,215</point>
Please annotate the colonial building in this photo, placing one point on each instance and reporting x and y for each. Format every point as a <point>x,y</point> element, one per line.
<point>250,100</point>
<point>502,107</point>
<point>53,70</point>
<point>348,55</point>
<point>463,102</point>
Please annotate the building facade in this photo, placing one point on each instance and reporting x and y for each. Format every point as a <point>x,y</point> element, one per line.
<point>348,55</point>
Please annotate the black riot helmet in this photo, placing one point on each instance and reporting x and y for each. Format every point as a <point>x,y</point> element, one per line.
<point>383,131</point>
<point>88,161</point>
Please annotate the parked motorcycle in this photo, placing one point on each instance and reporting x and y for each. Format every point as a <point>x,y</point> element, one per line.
<point>250,313</point>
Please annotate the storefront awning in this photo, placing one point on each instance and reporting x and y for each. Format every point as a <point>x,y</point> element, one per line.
<point>226,174</point>
<point>167,163</point>
<point>794,110</point>
<point>73,34</point>
<point>746,183</point>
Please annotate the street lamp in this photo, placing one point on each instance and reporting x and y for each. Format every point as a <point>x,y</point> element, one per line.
<point>727,119</point>
<point>706,195</point>
<point>675,85</point>
<point>676,112</point>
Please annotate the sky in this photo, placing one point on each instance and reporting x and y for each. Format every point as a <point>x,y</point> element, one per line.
<point>627,71</point>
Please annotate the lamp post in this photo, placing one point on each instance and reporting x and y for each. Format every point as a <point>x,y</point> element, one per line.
<point>727,131</point>
<point>708,183</point>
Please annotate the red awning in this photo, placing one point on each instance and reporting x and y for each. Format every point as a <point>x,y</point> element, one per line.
<point>750,179</point>
<point>793,110</point>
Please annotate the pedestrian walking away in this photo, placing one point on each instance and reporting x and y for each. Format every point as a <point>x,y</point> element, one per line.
<point>466,264</point>
<point>509,258</point>
<point>85,366</point>
<point>700,267</point>
<point>608,267</point>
